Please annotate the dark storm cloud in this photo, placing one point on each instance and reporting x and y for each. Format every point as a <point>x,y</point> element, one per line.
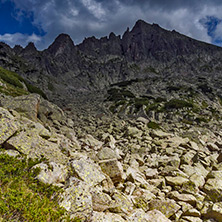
<point>83,18</point>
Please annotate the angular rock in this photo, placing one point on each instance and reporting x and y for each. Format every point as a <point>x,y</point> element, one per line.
<point>106,217</point>
<point>213,211</point>
<point>188,198</point>
<point>106,154</point>
<point>212,147</point>
<point>88,171</point>
<point>76,199</point>
<point>8,125</point>
<point>101,201</point>
<point>134,132</point>
<point>176,181</point>
<point>166,206</point>
<point>27,105</point>
<point>30,143</point>
<point>136,176</point>
<point>151,173</point>
<point>150,216</point>
<point>52,173</point>
<point>113,169</point>
<point>93,143</point>
<point>122,202</point>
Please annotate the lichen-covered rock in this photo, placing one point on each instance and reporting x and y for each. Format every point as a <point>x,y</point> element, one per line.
<point>29,142</point>
<point>52,173</point>
<point>28,105</point>
<point>150,216</point>
<point>8,125</point>
<point>176,181</point>
<point>134,175</point>
<point>101,201</point>
<point>166,206</point>
<point>113,169</point>
<point>106,154</point>
<point>106,217</point>
<point>213,188</point>
<point>134,132</point>
<point>123,204</point>
<point>76,199</point>
<point>188,198</point>
<point>91,142</point>
<point>88,171</point>
<point>212,211</point>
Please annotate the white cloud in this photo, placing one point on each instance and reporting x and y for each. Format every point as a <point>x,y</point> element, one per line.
<point>218,32</point>
<point>19,39</point>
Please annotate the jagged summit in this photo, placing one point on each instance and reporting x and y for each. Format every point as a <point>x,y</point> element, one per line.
<point>30,47</point>
<point>62,44</point>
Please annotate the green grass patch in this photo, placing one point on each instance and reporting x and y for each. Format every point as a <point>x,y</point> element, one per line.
<point>14,86</point>
<point>11,78</point>
<point>23,198</point>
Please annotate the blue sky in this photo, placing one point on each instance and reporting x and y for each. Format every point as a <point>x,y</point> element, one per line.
<point>40,21</point>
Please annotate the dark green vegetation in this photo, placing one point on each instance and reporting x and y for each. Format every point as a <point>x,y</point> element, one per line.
<point>23,198</point>
<point>153,125</point>
<point>178,104</point>
<point>14,84</point>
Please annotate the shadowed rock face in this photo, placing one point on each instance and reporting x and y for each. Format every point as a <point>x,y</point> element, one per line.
<point>96,64</point>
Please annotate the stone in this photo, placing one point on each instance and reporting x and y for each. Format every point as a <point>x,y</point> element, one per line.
<point>151,173</point>
<point>76,199</point>
<point>134,132</point>
<point>90,141</point>
<point>136,176</point>
<point>166,206</point>
<point>106,217</point>
<point>197,179</point>
<point>88,171</point>
<point>213,211</point>
<point>123,204</point>
<point>192,213</point>
<point>194,146</point>
<point>142,120</point>
<point>176,181</point>
<point>191,219</point>
<point>8,125</point>
<point>106,154</point>
<point>28,105</point>
<point>113,169</point>
<point>212,147</point>
<point>188,198</point>
<point>52,173</point>
<point>101,201</point>
<point>28,142</point>
<point>160,134</point>
<point>213,188</point>
<point>150,216</point>
<point>142,201</point>
<point>188,157</point>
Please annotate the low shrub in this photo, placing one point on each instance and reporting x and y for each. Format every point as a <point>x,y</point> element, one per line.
<point>178,104</point>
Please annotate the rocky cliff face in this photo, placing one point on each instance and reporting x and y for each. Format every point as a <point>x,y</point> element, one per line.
<point>95,64</point>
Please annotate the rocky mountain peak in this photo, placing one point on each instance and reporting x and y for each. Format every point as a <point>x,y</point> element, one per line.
<point>30,47</point>
<point>17,48</point>
<point>62,44</point>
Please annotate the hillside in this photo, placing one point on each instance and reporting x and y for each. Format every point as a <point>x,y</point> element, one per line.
<point>122,128</point>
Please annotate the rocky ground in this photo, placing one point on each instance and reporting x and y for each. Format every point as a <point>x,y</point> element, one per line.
<point>118,169</point>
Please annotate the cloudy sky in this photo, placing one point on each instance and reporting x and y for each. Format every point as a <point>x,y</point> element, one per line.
<point>40,21</point>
